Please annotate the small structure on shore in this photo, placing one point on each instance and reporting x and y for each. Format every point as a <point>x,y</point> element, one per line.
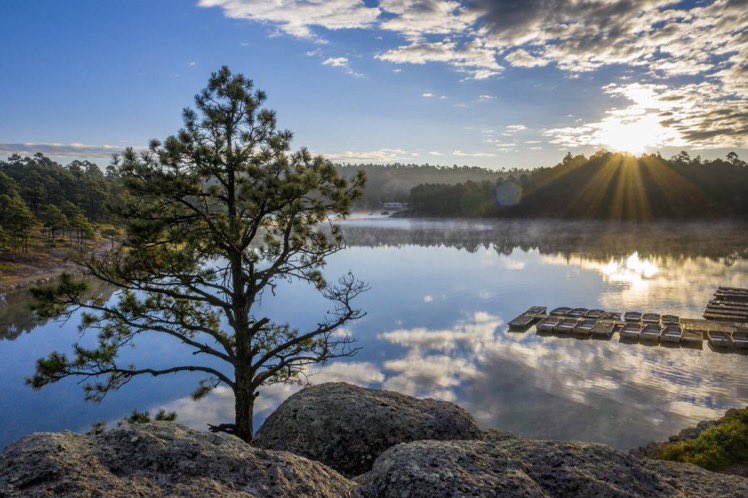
<point>394,206</point>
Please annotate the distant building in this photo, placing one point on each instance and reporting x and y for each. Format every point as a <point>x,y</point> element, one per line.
<point>395,205</point>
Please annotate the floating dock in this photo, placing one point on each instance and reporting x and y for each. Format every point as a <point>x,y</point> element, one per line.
<point>724,326</point>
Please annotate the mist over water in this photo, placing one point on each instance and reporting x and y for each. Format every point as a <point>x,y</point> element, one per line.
<point>442,293</point>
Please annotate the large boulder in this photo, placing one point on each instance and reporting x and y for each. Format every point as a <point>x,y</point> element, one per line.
<point>159,459</point>
<point>518,467</point>
<point>348,427</point>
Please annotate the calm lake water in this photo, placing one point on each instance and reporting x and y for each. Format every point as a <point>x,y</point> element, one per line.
<point>441,294</point>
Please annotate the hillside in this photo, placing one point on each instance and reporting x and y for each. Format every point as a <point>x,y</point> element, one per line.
<point>393,182</point>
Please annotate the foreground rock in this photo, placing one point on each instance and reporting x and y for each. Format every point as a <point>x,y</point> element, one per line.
<point>348,427</point>
<point>334,422</point>
<point>158,459</point>
<point>518,467</point>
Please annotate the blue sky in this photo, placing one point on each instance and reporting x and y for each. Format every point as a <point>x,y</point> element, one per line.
<point>488,83</point>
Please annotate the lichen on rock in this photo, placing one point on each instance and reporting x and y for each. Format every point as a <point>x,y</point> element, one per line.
<point>159,459</point>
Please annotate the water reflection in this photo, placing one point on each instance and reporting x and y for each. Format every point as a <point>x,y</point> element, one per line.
<point>544,387</point>
<point>668,283</point>
<point>599,241</point>
<point>441,294</point>
<point>17,317</point>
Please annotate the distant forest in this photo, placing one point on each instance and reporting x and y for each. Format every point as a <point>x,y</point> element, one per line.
<point>605,186</point>
<point>39,192</point>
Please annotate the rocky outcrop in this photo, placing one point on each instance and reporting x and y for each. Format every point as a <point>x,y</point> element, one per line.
<point>348,427</point>
<point>159,459</point>
<point>518,467</point>
<point>332,422</point>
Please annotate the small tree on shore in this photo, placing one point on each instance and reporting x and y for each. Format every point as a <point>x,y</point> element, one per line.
<point>83,229</point>
<point>111,233</point>
<point>217,216</point>
<point>55,221</point>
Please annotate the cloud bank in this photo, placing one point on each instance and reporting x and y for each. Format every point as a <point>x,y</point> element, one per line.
<point>691,59</point>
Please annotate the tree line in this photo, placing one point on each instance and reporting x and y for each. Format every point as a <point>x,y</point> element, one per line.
<point>39,192</point>
<point>393,182</point>
<point>606,186</point>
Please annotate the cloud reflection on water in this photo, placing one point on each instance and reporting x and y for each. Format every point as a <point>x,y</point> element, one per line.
<point>546,387</point>
<point>441,293</point>
<point>561,388</point>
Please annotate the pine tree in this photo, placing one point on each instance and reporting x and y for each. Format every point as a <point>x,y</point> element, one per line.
<point>55,221</point>
<point>83,229</point>
<point>16,220</point>
<point>217,216</point>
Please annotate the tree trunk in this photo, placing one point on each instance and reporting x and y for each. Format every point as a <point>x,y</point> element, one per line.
<point>244,406</point>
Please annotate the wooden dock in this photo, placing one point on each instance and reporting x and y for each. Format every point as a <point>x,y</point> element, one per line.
<point>728,304</point>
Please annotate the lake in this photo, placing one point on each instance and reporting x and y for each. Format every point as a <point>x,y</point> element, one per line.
<point>441,295</point>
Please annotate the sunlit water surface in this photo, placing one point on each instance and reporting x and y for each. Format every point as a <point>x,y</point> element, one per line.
<point>441,295</point>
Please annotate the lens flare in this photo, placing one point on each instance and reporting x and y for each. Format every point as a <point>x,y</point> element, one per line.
<point>508,194</point>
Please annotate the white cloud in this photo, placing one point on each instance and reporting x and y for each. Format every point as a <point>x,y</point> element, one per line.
<point>336,62</point>
<point>460,153</point>
<point>427,95</point>
<point>515,128</point>
<point>486,98</point>
<point>298,17</point>
<point>74,150</point>
<point>342,63</point>
<point>373,156</point>
<point>417,18</point>
<point>472,58</point>
<point>523,58</point>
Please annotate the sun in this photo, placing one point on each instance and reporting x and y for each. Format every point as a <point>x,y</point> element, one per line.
<point>634,134</point>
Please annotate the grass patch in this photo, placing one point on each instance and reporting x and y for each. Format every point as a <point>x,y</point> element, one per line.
<point>717,448</point>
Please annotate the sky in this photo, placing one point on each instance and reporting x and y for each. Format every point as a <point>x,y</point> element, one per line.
<point>492,83</point>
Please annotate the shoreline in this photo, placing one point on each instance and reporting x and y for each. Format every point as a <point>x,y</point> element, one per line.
<point>46,277</point>
<point>21,272</point>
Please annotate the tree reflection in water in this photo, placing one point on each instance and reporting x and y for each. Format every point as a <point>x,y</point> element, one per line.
<point>17,316</point>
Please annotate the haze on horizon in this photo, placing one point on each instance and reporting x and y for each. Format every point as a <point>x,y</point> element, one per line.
<point>486,83</point>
